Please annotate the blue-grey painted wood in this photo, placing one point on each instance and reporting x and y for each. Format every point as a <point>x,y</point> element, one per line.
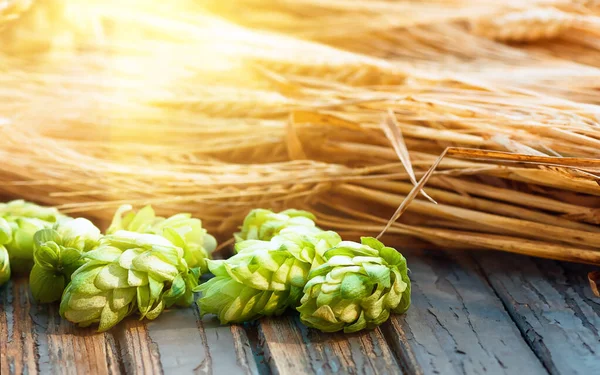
<point>35,339</point>
<point>456,323</point>
<point>187,344</point>
<point>553,306</point>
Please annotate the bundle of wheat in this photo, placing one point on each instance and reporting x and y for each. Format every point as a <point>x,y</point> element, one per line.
<point>170,105</point>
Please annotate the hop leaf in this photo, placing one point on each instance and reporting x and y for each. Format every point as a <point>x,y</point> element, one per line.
<point>4,266</point>
<point>262,224</point>
<point>357,287</point>
<point>182,230</point>
<point>127,273</point>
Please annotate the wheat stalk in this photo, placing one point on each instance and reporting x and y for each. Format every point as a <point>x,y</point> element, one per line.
<point>190,112</point>
<point>524,26</point>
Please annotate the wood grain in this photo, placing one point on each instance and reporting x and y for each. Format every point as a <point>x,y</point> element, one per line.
<point>292,348</point>
<point>65,348</point>
<point>185,344</point>
<point>18,350</point>
<point>456,323</point>
<point>139,354</point>
<point>498,314</point>
<point>39,341</point>
<point>252,362</point>
<point>553,306</point>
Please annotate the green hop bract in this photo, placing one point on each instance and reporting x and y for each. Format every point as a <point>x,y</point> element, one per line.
<point>57,254</point>
<point>357,287</point>
<point>4,266</point>
<point>128,272</point>
<point>5,237</point>
<point>264,277</point>
<point>25,219</point>
<point>181,230</point>
<point>262,224</point>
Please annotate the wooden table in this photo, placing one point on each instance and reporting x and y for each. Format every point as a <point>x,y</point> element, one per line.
<point>472,313</point>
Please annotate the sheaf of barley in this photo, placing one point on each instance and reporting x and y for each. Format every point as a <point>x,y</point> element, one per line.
<point>524,26</point>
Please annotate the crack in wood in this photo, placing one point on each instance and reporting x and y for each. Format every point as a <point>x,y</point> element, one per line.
<point>500,314</point>
<point>547,302</point>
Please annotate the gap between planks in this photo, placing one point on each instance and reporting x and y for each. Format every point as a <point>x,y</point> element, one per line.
<point>39,341</point>
<point>554,308</point>
<point>292,348</point>
<point>456,323</point>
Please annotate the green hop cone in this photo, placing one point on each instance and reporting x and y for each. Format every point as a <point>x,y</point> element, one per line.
<point>4,266</point>
<point>57,254</point>
<point>181,230</point>
<point>358,287</point>
<point>78,233</point>
<point>25,219</point>
<point>262,224</point>
<point>21,208</point>
<point>5,237</point>
<point>264,277</point>
<point>128,272</point>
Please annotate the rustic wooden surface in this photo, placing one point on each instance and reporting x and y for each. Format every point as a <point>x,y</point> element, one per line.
<point>472,313</point>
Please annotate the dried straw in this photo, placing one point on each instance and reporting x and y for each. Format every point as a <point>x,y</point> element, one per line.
<point>171,105</point>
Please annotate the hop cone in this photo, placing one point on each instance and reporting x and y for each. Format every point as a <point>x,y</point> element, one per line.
<point>128,272</point>
<point>57,254</point>
<point>264,278</point>
<point>4,266</point>
<point>181,230</point>
<point>357,287</point>
<point>25,219</point>
<point>5,236</point>
<point>261,224</point>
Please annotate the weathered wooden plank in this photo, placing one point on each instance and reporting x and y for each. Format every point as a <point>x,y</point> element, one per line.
<point>178,342</point>
<point>552,304</point>
<point>38,340</point>
<point>18,349</point>
<point>139,354</point>
<point>66,349</point>
<point>456,323</point>
<point>228,348</point>
<point>246,349</point>
<point>292,348</point>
